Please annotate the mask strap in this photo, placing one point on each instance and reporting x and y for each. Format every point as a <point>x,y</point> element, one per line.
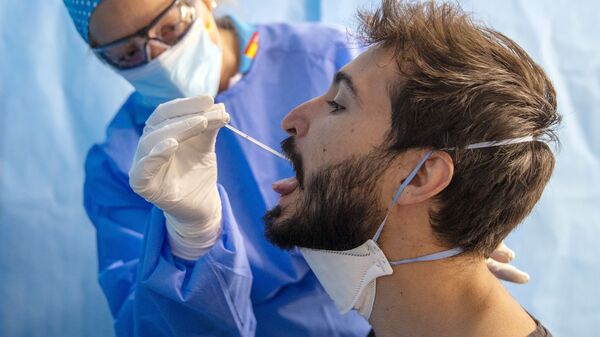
<point>407,181</point>
<point>482,145</point>
<point>431,257</point>
<point>414,172</point>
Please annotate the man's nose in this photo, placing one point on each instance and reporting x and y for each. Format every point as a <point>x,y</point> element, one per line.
<point>296,122</point>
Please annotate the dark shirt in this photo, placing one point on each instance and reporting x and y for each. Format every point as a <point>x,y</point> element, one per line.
<point>540,330</point>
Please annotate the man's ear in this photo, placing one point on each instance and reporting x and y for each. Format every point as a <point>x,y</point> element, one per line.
<point>435,175</point>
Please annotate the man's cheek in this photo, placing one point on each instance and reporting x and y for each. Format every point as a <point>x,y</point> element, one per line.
<point>333,151</point>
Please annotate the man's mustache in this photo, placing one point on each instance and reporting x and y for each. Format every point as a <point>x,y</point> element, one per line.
<point>288,146</point>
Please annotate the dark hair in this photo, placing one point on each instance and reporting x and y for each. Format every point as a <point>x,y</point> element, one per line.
<point>461,83</point>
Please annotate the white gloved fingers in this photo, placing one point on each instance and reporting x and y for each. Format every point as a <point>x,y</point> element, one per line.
<point>200,138</point>
<point>179,108</point>
<point>180,131</point>
<point>503,253</point>
<point>206,141</point>
<point>144,175</point>
<point>216,116</point>
<point>507,272</point>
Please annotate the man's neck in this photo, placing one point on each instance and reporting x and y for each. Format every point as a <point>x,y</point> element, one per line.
<point>452,297</point>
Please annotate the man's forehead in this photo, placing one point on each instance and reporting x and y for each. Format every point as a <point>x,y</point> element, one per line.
<point>373,70</point>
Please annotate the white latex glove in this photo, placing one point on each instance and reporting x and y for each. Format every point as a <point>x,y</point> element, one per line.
<point>499,265</point>
<point>175,168</point>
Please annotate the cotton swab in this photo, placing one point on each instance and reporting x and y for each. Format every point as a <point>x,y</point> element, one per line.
<point>256,142</point>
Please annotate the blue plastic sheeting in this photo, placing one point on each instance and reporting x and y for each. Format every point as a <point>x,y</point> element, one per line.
<point>56,100</point>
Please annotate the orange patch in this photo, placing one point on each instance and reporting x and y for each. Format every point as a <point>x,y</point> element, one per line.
<point>252,47</point>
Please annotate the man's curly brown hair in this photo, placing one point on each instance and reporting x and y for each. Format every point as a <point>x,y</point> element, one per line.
<point>460,83</point>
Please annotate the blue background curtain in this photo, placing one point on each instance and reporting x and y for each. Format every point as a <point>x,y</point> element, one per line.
<point>56,100</point>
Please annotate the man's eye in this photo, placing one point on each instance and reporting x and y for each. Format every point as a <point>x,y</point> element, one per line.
<point>335,106</point>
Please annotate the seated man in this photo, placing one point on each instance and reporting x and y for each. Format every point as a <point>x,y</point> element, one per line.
<point>424,154</point>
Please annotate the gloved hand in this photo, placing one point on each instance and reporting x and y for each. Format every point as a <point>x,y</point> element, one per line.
<point>175,168</point>
<point>499,265</point>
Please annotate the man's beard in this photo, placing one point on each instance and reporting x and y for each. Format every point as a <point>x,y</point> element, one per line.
<point>338,208</point>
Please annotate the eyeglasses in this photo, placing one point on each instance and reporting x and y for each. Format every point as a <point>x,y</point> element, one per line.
<point>133,50</point>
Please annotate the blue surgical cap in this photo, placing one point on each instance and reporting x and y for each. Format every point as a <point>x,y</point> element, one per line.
<point>80,11</point>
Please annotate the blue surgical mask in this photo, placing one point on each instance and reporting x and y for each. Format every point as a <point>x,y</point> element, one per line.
<point>190,68</point>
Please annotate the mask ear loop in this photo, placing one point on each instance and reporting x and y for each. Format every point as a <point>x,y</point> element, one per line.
<point>431,257</point>
<point>407,181</point>
<point>414,172</point>
<point>483,145</point>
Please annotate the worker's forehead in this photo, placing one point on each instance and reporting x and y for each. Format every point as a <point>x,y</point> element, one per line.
<point>113,19</point>
<point>83,11</point>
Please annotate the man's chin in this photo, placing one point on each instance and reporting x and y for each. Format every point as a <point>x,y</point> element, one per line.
<point>276,230</point>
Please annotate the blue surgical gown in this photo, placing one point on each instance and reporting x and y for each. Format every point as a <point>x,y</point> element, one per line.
<point>243,286</point>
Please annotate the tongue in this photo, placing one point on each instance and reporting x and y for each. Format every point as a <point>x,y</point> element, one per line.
<point>285,186</point>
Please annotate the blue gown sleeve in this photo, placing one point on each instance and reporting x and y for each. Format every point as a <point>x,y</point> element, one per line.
<point>119,216</point>
<point>149,291</point>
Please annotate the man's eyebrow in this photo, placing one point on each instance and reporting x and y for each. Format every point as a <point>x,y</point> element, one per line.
<point>342,77</point>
